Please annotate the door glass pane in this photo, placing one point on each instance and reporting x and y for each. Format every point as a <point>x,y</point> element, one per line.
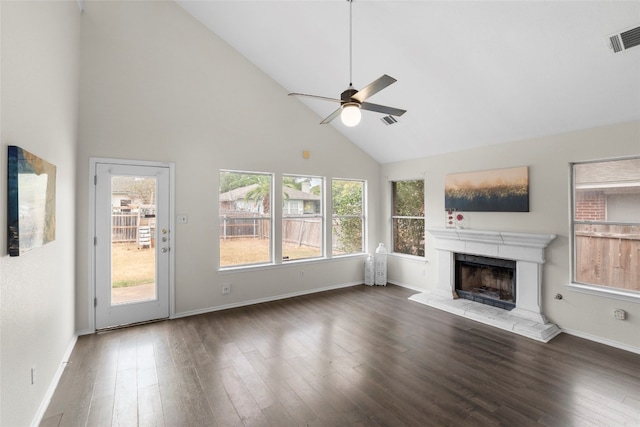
<point>133,239</point>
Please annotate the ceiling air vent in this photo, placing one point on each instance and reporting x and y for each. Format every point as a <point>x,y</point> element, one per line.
<point>625,40</point>
<point>389,120</point>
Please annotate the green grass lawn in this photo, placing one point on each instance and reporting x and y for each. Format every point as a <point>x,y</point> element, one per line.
<point>253,251</point>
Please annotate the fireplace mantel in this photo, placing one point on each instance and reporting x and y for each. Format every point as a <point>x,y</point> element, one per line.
<point>499,244</point>
<point>525,248</point>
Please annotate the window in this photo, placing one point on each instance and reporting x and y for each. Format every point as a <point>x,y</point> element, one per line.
<point>245,218</point>
<point>302,219</point>
<point>408,217</point>
<point>606,224</point>
<point>348,216</point>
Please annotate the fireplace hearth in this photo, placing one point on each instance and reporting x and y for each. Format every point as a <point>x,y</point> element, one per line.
<point>486,280</point>
<point>524,249</point>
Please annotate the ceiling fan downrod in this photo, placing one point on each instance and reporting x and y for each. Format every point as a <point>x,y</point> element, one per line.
<point>350,44</point>
<point>351,100</point>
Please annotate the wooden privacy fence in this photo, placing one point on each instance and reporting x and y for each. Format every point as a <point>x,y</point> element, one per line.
<point>247,226</point>
<point>300,231</point>
<point>608,255</point>
<point>124,226</point>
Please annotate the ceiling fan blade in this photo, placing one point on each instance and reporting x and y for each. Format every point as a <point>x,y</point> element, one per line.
<point>331,116</point>
<point>374,87</point>
<point>324,98</point>
<point>382,109</point>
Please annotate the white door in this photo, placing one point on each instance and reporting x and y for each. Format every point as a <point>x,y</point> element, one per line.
<point>131,244</point>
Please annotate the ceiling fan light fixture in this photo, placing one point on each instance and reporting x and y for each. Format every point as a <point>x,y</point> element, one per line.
<point>350,114</point>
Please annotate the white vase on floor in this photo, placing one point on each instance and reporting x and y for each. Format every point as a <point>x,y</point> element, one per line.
<point>369,271</point>
<point>380,261</point>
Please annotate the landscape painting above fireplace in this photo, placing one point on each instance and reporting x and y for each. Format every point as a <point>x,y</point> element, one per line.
<point>499,190</point>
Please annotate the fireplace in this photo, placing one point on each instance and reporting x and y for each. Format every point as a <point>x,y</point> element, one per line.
<point>486,280</point>
<point>521,253</point>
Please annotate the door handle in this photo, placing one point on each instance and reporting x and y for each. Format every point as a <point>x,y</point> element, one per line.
<point>163,250</point>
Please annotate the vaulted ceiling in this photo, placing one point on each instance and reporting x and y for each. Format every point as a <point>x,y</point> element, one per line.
<point>470,73</point>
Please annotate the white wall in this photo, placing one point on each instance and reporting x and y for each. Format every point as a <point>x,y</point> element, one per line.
<point>39,88</point>
<point>157,85</point>
<point>549,187</point>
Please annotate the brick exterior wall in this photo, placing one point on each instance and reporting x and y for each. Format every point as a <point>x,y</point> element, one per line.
<point>591,206</point>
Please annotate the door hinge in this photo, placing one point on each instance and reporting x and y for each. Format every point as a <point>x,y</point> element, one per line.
<point>95,179</point>
<point>95,302</point>
<point>95,241</point>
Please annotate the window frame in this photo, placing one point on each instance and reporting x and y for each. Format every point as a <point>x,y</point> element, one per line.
<point>271,226</point>
<point>362,216</point>
<point>321,216</point>
<point>608,291</point>
<point>394,217</point>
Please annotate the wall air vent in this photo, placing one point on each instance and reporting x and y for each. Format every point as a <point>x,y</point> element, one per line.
<point>625,39</point>
<point>389,120</point>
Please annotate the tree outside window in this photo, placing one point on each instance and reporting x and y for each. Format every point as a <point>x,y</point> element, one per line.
<point>408,217</point>
<point>348,216</point>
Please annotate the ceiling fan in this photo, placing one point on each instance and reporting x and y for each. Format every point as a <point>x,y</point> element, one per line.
<point>352,100</point>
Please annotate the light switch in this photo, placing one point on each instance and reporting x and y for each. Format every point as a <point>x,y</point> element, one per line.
<point>182,219</point>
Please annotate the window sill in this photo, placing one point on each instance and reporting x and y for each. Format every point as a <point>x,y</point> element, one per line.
<point>414,258</point>
<point>601,291</point>
<point>285,263</point>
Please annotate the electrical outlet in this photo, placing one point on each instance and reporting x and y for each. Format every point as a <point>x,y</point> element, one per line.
<point>301,273</point>
<point>619,314</point>
<point>33,375</point>
<point>226,288</point>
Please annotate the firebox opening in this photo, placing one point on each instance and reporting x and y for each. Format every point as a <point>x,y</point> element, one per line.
<point>486,280</point>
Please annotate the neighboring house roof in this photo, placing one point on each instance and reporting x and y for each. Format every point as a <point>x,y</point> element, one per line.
<point>241,194</point>
<point>608,174</point>
<point>237,194</point>
<point>294,194</point>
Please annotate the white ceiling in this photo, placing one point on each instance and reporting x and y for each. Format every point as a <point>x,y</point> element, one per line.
<point>470,73</point>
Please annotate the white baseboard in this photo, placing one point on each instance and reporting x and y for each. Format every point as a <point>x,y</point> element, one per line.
<point>405,285</point>
<point>261,300</point>
<point>601,340</point>
<point>37,419</point>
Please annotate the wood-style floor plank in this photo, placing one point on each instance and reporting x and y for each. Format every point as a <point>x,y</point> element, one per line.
<point>360,356</point>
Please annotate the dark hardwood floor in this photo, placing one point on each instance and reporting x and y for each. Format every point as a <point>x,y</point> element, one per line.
<point>360,356</point>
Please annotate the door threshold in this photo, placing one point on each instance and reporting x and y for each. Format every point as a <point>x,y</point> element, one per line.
<point>128,325</point>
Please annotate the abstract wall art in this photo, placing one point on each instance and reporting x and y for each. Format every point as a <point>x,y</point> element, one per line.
<point>499,190</point>
<point>31,203</point>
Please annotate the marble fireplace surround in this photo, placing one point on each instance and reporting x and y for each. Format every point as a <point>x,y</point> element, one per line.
<point>526,249</point>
